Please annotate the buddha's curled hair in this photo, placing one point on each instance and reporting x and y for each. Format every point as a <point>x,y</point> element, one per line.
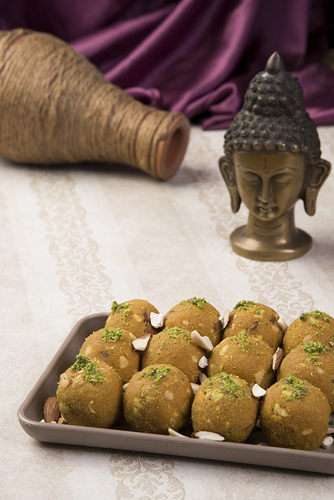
<point>273,117</point>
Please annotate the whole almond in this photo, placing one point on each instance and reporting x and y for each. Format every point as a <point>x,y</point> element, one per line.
<point>51,410</point>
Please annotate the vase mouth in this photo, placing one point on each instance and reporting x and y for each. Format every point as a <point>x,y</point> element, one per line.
<point>172,148</point>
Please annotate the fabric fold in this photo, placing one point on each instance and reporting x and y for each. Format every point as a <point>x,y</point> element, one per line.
<point>193,56</point>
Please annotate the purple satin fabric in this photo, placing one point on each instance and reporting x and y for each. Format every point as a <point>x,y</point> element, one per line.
<point>194,56</point>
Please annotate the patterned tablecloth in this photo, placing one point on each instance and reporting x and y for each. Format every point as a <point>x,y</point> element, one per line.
<point>75,239</point>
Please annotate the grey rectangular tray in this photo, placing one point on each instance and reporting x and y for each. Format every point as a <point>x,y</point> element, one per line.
<point>252,452</point>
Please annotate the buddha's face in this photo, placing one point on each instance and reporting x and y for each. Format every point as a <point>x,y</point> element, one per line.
<point>269,184</point>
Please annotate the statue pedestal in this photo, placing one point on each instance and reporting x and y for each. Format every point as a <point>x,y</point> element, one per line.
<point>270,249</point>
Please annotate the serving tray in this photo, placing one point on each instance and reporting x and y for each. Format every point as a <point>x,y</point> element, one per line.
<point>254,452</point>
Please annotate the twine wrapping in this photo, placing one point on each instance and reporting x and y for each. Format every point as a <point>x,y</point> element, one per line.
<point>56,107</point>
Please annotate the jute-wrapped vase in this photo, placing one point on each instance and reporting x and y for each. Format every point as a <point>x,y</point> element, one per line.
<point>56,108</point>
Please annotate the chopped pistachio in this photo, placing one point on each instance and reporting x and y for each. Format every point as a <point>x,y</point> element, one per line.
<point>312,351</point>
<point>315,314</point>
<point>156,373</point>
<point>91,373</point>
<point>244,304</point>
<point>123,306</point>
<point>174,333</point>
<point>241,340</point>
<point>195,302</point>
<point>227,384</point>
<point>296,386</point>
<point>111,335</point>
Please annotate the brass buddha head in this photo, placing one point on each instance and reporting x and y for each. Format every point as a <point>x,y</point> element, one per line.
<point>272,159</point>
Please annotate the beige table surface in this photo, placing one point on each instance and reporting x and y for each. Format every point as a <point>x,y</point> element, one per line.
<point>75,239</point>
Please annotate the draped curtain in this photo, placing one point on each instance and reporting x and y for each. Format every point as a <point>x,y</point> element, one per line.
<point>194,56</point>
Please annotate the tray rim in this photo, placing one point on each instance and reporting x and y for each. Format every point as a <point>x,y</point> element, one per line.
<point>128,440</point>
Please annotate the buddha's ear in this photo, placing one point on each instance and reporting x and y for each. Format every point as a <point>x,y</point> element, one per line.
<point>319,174</point>
<point>228,173</point>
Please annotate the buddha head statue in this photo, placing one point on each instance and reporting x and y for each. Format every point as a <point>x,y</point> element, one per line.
<point>272,159</point>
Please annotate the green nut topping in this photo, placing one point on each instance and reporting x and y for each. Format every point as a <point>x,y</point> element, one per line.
<point>241,340</point>
<point>123,306</point>
<point>195,302</point>
<point>89,367</point>
<point>227,384</point>
<point>315,314</point>
<point>244,304</point>
<point>296,386</point>
<point>156,373</point>
<point>175,333</point>
<point>312,351</point>
<point>112,335</point>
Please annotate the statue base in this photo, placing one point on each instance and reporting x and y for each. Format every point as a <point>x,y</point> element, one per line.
<point>270,249</point>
